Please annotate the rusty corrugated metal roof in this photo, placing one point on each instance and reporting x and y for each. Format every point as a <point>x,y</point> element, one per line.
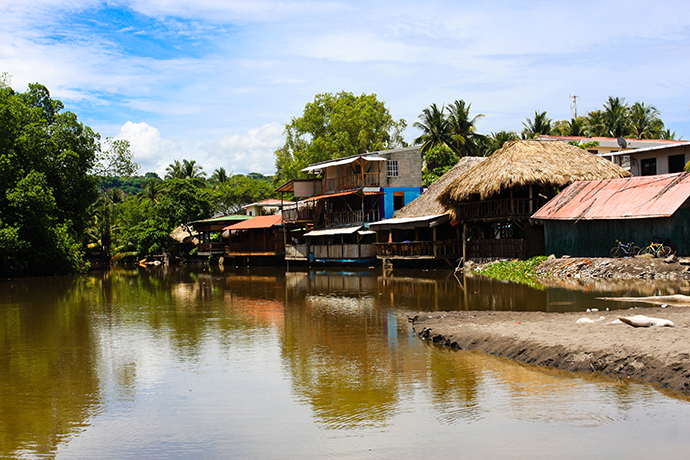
<point>630,198</point>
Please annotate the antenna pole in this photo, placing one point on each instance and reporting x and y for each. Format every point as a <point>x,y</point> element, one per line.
<point>573,106</point>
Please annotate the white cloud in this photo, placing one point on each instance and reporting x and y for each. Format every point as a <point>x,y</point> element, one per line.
<point>248,152</point>
<point>242,153</point>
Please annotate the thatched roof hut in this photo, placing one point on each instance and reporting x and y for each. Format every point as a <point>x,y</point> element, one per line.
<point>528,162</point>
<point>427,204</point>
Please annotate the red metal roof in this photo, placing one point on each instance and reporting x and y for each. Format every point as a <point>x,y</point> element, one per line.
<point>630,198</point>
<point>320,197</point>
<point>256,222</point>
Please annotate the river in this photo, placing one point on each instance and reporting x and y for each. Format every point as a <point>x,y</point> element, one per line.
<point>260,364</point>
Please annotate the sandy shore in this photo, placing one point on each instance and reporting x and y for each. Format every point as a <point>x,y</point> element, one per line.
<point>657,355</point>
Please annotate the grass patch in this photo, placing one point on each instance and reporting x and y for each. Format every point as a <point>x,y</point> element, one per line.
<point>517,271</point>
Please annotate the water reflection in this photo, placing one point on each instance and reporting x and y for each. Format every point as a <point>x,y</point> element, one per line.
<point>260,363</point>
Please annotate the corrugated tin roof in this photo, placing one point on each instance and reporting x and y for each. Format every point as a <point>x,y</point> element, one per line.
<point>227,218</point>
<point>630,198</point>
<point>333,231</point>
<point>256,222</point>
<point>330,195</point>
<point>411,222</point>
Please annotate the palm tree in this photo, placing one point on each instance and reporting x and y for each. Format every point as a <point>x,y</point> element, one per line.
<point>435,128</point>
<point>668,135</point>
<point>540,125</point>
<point>645,121</point>
<point>615,118</point>
<point>495,141</point>
<point>154,189</point>
<point>219,176</point>
<point>594,123</point>
<point>192,170</point>
<point>174,170</point>
<point>464,139</point>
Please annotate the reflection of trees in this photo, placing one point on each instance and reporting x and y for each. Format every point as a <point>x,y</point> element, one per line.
<point>48,381</point>
<point>340,359</point>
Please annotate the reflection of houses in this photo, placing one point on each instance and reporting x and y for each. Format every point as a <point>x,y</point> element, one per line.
<point>258,240</point>
<point>422,229</point>
<point>329,223</point>
<point>495,199</point>
<point>586,218</point>
<point>209,232</point>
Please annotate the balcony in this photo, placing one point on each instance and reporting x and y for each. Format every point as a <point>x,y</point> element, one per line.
<point>353,181</point>
<point>498,209</point>
<point>334,219</point>
<point>301,214</point>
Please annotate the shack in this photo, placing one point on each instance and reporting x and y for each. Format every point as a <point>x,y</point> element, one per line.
<point>586,218</point>
<point>256,241</point>
<point>495,200</point>
<point>422,231</point>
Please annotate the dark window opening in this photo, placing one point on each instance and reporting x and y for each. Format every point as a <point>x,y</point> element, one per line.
<point>676,163</point>
<point>648,166</point>
<point>398,200</point>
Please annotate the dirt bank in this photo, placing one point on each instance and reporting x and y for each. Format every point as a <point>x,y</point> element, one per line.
<point>643,267</point>
<point>657,355</point>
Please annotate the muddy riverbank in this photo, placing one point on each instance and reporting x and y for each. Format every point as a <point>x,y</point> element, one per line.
<point>657,355</point>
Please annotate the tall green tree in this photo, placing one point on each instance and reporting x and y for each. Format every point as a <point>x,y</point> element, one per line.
<point>540,124</point>
<point>335,126</point>
<point>464,139</point>
<point>46,159</point>
<point>615,119</point>
<point>435,128</point>
<point>645,122</point>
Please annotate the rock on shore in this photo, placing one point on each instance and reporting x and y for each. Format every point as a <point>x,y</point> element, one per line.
<point>644,267</point>
<point>656,355</point>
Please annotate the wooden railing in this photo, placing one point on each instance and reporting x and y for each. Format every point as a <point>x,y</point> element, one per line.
<point>510,248</point>
<point>297,252</point>
<point>301,214</point>
<point>351,217</point>
<point>343,251</point>
<point>492,209</point>
<point>353,181</point>
<point>447,248</point>
<point>211,248</point>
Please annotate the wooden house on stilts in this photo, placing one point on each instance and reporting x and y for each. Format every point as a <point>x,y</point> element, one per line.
<point>494,200</point>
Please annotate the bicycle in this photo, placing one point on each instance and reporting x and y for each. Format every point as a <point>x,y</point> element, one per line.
<point>624,250</point>
<point>657,249</point>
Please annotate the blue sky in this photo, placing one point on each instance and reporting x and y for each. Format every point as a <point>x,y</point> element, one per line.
<point>216,80</point>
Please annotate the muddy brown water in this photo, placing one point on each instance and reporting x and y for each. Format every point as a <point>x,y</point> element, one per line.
<point>259,363</point>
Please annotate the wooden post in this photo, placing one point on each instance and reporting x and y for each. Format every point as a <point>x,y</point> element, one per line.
<point>464,243</point>
<point>434,243</point>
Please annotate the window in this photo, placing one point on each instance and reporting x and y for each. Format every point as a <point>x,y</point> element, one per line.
<point>676,163</point>
<point>392,168</point>
<point>398,200</point>
<point>648,166</point>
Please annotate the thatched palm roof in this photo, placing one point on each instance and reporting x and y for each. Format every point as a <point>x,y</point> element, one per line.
<point>427,204</point>
<point>529,162</point>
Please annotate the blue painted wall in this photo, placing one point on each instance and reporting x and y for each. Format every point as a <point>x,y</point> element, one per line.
<point>410,194</point>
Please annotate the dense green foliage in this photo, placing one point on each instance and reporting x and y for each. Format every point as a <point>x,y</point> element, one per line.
<point>517,271</point>
<point>46,156</point>
<point>336,126</point>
